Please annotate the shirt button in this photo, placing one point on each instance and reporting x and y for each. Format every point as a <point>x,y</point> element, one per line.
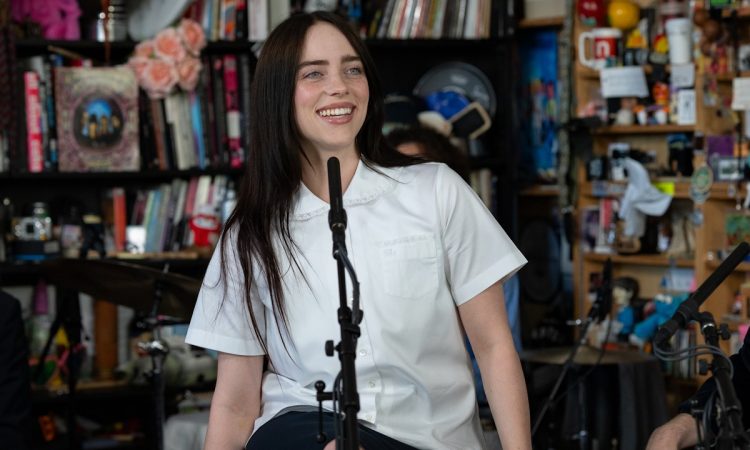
<point>371,384</point>
<point>368,417</point>
<point>363,352</point>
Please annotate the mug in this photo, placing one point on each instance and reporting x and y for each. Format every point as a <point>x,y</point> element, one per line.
<point>679,36</point>
<point>602,43</point>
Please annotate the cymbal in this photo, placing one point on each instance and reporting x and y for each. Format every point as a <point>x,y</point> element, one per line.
<point>586,355</point>
<point>125,284</point>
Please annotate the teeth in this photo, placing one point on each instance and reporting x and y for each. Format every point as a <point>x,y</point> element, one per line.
<point>335,112</point>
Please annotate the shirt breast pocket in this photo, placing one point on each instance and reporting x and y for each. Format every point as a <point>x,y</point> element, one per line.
<point>410,266</point>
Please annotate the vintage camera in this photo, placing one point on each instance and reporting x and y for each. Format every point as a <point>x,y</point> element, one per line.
<point>32,228</point>
<point>36,227</point>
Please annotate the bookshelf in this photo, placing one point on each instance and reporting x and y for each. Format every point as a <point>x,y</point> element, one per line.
<point>401,63</point>
<point>709,228</point>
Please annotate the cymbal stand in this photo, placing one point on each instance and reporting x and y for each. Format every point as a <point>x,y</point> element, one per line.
<point>158,350</point>
<point>67,316</point>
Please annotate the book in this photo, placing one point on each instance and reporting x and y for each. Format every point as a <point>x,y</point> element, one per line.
<point>34,147</point>
<point>97,119</point>
<point>232,105</point>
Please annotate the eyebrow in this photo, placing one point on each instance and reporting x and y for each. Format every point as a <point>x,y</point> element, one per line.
<point>324,62</point>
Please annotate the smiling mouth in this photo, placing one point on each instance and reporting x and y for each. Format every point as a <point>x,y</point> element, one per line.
<point>335,112</point>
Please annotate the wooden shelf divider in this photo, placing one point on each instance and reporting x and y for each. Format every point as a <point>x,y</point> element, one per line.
<point>643,260</point>
<point>644,129</point>
<point>545,22</point>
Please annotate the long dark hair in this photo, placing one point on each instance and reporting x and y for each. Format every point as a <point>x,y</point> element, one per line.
<point>275,157</point>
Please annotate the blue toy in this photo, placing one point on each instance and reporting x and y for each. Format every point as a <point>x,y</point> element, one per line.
<point>666,305</point>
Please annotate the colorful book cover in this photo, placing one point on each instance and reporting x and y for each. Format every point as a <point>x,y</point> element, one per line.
<point>97,117</point>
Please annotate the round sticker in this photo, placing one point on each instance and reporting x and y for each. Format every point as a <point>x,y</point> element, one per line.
<point>700,184</point>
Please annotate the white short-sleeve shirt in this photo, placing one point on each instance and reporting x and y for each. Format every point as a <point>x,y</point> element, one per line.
<point>422,243</point>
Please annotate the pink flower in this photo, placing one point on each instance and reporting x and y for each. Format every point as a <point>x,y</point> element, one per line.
<point>188,71</point>
<point>167,45</point>
<point>159,77</point>
<point>145,49</point>
<point>138,64</point>
<point>192,36</point>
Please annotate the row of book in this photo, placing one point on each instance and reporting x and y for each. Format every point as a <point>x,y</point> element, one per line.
<point>205,128</point>
<point>391,19</point>
<point>229,20</point>
<point>432,19</point>
<point>162,218</point>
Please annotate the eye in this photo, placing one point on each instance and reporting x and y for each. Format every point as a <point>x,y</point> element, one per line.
<point>356,70</point>
<point>312,75</point>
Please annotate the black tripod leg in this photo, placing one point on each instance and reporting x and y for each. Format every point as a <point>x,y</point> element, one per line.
<point>70,306</point>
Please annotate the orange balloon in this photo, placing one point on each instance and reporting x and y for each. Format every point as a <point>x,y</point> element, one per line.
<point>623,14</point>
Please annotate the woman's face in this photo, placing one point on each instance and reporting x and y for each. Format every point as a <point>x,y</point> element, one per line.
<point>331,93</point>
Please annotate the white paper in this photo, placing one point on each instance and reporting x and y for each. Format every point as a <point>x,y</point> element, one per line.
<point>683,75</point>
<point>623,82</point>
<point>741,94</point>
<point>686,107</point>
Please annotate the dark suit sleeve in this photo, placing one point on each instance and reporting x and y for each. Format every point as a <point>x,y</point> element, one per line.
<point>15,388</point>
<point>740,380</point>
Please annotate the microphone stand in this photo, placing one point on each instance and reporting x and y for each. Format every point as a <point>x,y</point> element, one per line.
<point>732,433</point>
<point>345,394</point>
<point>597,311</point>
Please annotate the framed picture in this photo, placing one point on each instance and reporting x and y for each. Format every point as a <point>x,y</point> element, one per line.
<point>728,168</point>
<point>97,111</point>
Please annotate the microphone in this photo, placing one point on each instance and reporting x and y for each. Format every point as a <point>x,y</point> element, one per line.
<point>337,214</point>
<point>603,303</point>
<point>689,307</point>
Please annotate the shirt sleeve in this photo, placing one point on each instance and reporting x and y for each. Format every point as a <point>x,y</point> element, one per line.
<point>478,252</point>
<point>221,319</point>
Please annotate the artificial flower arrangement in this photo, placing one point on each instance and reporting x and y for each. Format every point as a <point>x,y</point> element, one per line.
<point>169,59</point>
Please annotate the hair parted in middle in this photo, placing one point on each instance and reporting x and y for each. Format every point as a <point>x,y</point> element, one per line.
<point>273,170</point>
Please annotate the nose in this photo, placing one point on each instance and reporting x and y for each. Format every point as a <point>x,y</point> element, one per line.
<point>336,85</point>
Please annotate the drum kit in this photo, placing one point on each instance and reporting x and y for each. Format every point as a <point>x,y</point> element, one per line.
<point>167,298</point>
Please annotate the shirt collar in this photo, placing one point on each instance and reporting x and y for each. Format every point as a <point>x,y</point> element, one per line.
<point>366,186</point>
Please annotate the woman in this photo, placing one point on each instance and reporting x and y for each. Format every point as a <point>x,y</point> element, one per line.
<point>429,256</point>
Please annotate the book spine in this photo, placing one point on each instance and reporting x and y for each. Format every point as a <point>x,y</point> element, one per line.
<point>120,218</point>
<point>34,148</point>
<point>243,73</point>
<point>217,79</point>
<point>231,96</point>
<point>241,20</point>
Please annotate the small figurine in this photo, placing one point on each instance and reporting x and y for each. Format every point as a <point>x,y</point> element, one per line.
<point>625,292</point>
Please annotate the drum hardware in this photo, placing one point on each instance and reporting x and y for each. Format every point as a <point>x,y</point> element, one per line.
<point>139,287</point>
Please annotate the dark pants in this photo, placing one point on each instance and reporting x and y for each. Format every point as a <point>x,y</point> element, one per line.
<point>298,431</point>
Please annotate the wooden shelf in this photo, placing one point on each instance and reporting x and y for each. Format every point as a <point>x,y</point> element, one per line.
<point>546,22</point>
<point>641,260</point>
<point>431,44</point>
<point>118,176</point>
<point>541,190</point>
<point>742,267</point>
<point>644,129</point>
<point>586,72</point>
<point>617,188</point>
